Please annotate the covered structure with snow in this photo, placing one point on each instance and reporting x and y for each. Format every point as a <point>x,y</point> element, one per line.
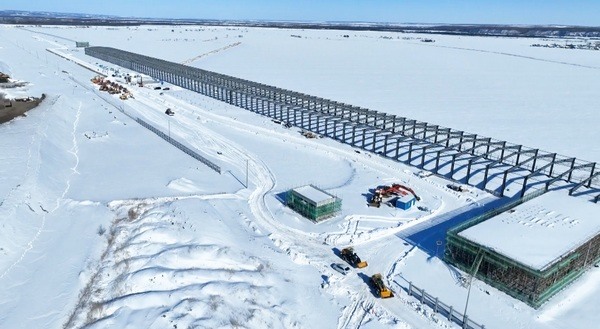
<point>405,201</point>
<point>313,203</point>
<point>530,250</point>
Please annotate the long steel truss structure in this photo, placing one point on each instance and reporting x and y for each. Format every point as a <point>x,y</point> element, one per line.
<point>444,151</point>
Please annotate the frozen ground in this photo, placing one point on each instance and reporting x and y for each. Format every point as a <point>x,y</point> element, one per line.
<point>106,225</point>
<point>494,83</point>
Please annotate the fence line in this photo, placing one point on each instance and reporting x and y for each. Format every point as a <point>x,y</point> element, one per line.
<point>439,307</point>
<point>180,146</point>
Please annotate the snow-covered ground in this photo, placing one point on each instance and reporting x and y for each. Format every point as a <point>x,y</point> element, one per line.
<point>107,225</point>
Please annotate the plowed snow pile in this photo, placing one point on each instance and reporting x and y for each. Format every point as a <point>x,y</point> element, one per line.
<point>165,266</point>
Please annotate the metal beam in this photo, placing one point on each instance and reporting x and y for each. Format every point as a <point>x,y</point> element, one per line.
<point>281,103</point>
<point>583,182</point>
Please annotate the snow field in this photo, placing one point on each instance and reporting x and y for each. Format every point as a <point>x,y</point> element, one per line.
<point>188,247</point>
<point>479,78</point>
<point>40,184</point>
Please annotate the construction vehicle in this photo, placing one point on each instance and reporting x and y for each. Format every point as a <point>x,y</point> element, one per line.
<point>309,134</point>
<point>457,188</point>
<point>398,186</point>
<point>396,189</point>
<point>352,258</point>
<point>376,199</point>
<point>385,191</point>
<point>382,290</point>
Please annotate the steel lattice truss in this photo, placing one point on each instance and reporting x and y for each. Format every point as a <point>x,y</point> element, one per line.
<point>442,150</point>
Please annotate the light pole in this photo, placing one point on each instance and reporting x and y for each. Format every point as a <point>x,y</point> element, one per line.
<point>467,302</point>
<point>474,269</point>
<point>247,162</point>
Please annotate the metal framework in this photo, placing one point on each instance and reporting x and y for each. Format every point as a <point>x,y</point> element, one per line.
<point>388,135</point>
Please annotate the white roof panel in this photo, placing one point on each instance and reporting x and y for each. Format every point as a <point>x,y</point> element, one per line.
<point>311,193</point>
<point>540,231</point>
<point>406,198</point>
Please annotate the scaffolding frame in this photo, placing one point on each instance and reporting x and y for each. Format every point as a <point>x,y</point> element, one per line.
<point>530,285</point>
<point>311,210</point>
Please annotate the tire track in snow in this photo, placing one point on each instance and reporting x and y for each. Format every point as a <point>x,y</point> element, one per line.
<point>161,200</point>
<point>31,177</point>
<point>74,150</point>
<point>511,55</point>
<point>32,170</point>
<point>354,314</point>
<point>308,249</point>
<point>191,60</point>
<point>261,177</point>
<point>301,246</point>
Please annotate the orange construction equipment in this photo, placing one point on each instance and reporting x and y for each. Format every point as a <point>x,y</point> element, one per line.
<point>352,258</point>
<point>378,284</point>
<point>398,186</point>
<point>385,191</point>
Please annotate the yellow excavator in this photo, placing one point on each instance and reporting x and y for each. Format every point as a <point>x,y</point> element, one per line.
<point>382,290</point>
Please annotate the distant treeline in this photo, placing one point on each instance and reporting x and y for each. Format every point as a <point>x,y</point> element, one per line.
<point>44,18</point>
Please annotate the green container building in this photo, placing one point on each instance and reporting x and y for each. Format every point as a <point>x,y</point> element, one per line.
<point>313,203</point>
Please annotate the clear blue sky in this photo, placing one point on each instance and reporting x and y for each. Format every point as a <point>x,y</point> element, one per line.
<point>574,12</point>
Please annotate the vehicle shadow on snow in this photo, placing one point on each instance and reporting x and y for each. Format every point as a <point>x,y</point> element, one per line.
<point>337,252</point>
<point>367,280</point>
<point>367,196</point>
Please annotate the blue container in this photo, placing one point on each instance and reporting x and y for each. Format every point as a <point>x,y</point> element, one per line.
<point>405,201</point>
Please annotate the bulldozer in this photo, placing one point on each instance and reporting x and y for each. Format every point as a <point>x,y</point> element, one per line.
<point>352,258</point>
<point>382,290</point>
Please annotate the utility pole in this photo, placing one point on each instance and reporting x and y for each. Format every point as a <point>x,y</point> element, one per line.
<point>474,269</point>
<point>247,161</point>
<point>169,128</point>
